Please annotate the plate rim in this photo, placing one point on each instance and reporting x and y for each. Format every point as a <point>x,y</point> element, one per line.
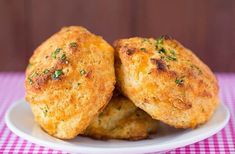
<point>150,148</point>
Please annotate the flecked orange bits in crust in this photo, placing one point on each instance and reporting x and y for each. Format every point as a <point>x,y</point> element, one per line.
<point>166,80</point>
<point>69,80</point>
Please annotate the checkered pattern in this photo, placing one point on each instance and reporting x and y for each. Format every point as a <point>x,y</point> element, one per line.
<point>12,89</point>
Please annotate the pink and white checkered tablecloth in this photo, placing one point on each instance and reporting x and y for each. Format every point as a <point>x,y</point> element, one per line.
<point>12,89</point>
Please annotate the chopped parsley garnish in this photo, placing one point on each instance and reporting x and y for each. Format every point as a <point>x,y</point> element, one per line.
<point>82,72</point>
<point>166,55</point>
<point>45,110</point>
<point>78,83</point>
<point>143,49</point>
<point>30,81</point>
<point>56,74</point>
<point>46,71</point>
<point>34,74</point>
<point>172,52</point>
<point>73,44</point>
<point>179,81</point>
<point>171,58</point>
<point>56,52</point>
<point>63,57</point>
<point>159,40</point>
<point>162,50</point>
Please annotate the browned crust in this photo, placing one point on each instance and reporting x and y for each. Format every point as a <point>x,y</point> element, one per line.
<point>70,80</point>
<point>121,119</point>
<point>166,80</point>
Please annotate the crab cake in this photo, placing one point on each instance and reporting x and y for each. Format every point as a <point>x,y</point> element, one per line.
<point>121,119</point>
<point>69,80</point>
<point>166,80</point>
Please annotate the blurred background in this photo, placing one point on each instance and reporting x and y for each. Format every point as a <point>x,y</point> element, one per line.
<point>205,26</point>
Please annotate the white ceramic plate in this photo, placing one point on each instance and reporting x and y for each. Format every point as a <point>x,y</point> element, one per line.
<point>20,120</point>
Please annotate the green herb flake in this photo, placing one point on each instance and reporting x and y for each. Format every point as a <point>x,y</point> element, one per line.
<point>162,50</point>
<point>55,53</point>
<point>46,71</point>
<point>143,49</point>
<point>78,83</point>
<point>63,57</point>
<point>57,74</point>
<point>172,52</point>
<point>162,57</point>
<point>82,72</point>
<point>159,40</point>
<point>73,44</point>
<point>179,81</point>
<point>173,58</point>
<point>45,110</point>
<point>34,74</point>
<point>30,81</point>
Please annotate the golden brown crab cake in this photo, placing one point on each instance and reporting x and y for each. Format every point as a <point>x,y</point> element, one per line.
<point>121,119</point>
<point>69,80</point>
<point>166,80</point>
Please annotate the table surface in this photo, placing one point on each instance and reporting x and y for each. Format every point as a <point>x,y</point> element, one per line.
<point>12,89</point>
